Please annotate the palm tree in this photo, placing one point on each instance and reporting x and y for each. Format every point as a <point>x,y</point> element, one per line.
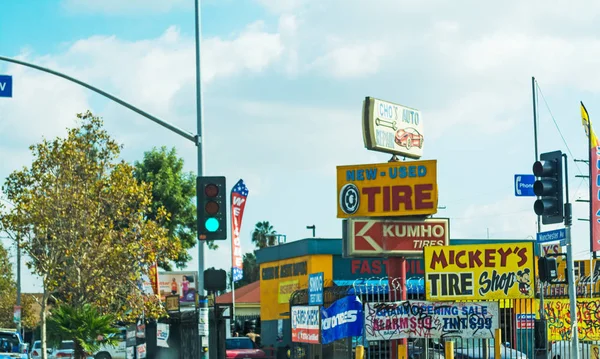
<point>85,326</point>
<point>263,235</point>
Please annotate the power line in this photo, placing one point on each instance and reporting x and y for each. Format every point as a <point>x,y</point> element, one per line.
<point>556,124</point>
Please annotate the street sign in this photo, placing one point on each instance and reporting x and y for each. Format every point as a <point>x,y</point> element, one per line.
<point>524,185</point>
<point>315,288</point>
<point>6,86</point>
<point>394,237</point>
<point>551,236</point>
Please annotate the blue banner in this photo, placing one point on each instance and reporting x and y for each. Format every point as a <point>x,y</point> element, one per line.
<point>343,319</point>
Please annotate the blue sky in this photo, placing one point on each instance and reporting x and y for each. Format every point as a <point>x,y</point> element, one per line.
<point>284,82</point>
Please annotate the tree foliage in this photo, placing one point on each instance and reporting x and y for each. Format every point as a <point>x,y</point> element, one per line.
<point>84,325</point>
<point>8,296</point>
<point>264,235</point>
<point>82,218</point>
<point>175,191</point>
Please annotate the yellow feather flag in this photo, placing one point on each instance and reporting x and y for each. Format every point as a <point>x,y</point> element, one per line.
<point>587,125</point>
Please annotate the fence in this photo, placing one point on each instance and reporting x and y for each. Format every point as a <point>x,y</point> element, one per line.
<point>514,317</point>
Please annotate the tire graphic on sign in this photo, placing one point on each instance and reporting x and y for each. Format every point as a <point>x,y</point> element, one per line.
<point>349,198</point>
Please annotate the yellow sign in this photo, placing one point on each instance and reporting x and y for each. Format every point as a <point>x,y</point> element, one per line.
<point>479,272</point>
<point>559,319</point>
<point>280,279</point>
<point>387,189</point>
<point>595,351</point>
<point>286,289</point>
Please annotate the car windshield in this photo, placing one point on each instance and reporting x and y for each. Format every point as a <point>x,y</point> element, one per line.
<point>241,343</point>
<point>66,345</point>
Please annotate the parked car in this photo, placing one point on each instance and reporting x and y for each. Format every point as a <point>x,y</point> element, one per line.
<point>242,348</point>
<point>65,350</point>
<point>12,345</point>
<point>474,349</point>
<point>118,351</point>
<point>561,349</point>
<point>36,350</point>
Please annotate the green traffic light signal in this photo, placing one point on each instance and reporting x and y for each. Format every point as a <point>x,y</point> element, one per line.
<point>211,224</point>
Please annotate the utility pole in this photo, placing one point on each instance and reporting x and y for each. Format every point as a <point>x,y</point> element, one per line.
<point>19,281</point>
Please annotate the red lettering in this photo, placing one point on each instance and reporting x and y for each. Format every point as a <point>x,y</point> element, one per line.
<point>386,264</point>
<point>355,265</point>
<point>376,266</point>
<point>474,258</point>
<point>371,193</point>
<point>401,194</point>
<point>460,264</point>
<point>365,268</point>
<point>386,199</point>
<point>504,256</point>
<point>438,258</point>
<point>522,253</point>
<point>489,258</point>
<point>423,193</point>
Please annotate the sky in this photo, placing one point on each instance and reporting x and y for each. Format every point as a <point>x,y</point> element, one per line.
<point>283,84</point>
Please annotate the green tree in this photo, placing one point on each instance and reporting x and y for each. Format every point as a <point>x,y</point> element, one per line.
<point>8,296</point>
<point>175,191</point>
<point>264,235</point>
<point>82,218</point>
<point>85,326</point>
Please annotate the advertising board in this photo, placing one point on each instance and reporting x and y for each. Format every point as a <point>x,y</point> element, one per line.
<point>559,322</point>
<point>423,319</point>
<point>387,189</point>
<point>479,272</point>
<point>315,289</point>
<point>305,324</point>
<point>280,279</point>
<point>392,128</point>
<point>343,319</point>
<point>394,237</point>
<point>363,268</point>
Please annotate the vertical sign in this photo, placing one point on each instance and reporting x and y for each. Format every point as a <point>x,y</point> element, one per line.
<point>594,151</point>
<point>315,289</point>
<point>6,86</point>
<point>17,314</point>
<point>239,194</point>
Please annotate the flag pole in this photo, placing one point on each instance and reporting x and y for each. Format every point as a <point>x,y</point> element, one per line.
<point>589,133</point>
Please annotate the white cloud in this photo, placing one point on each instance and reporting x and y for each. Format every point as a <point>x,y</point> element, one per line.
<point>353,60</point>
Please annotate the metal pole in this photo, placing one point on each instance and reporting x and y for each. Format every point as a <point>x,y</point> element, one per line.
<point>571,269</point>
<point>165,124</point>
<point>204,340</point>
<point>535,137</point>
<point>19,282</point>
<point>590,164</point>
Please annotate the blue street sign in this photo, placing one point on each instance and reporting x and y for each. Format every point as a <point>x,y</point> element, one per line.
<point>524,185</point>
<point>315,288</point>
<point>551,236</point>
<point>6,86</point>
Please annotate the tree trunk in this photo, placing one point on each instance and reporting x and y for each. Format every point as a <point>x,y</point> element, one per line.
<point>78,350</point>
<point>43,313</point>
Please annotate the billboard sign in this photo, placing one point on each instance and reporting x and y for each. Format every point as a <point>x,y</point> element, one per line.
<point>182,284</point>
<point>362,268</point>
<point>392,128</point>
<point>387,189</point>
<point>479,272</point>
<point>422,319</point>
<point>315,288</point>
<point>343,319</point>
<point>305,324</point>
<point>394,237</point>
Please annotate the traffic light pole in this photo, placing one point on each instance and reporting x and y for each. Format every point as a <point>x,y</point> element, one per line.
<point>571,268</point>
<point>203,340</point>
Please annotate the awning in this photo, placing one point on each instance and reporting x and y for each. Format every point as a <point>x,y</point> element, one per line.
<point>377,286</point>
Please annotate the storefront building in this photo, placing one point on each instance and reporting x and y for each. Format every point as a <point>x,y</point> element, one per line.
<point>285,269</point>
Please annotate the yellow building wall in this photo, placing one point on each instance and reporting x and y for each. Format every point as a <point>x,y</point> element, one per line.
<point>279,279</point>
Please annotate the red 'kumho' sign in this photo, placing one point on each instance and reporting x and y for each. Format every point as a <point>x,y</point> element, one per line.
<point>394,237</point>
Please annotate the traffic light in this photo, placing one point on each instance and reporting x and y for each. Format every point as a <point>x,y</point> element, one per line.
<point>549,187</point>
<point>548,269</point>
<point>211,207</point>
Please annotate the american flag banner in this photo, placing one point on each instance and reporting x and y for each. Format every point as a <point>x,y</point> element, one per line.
<point>239,194</point>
